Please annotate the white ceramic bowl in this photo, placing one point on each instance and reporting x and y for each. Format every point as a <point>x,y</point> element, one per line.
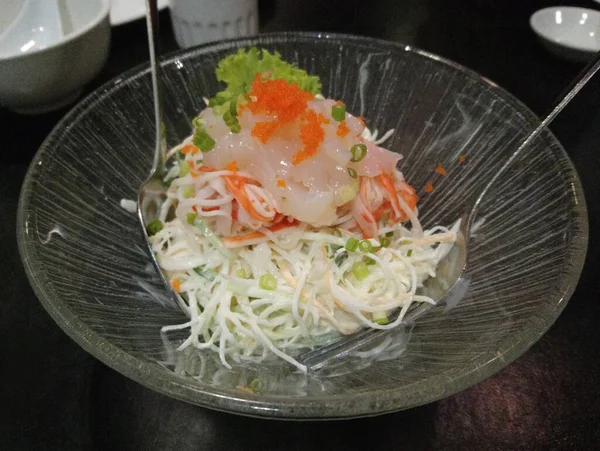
<point>568,32</point>
<point>44,79</point>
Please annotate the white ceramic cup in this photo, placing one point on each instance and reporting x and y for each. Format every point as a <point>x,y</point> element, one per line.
<point>198,21</point>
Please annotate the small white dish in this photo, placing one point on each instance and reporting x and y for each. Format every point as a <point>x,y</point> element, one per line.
<point>123,11</point>
<point>568,32</point>
<point>36,26</point>
<point>50,74</point>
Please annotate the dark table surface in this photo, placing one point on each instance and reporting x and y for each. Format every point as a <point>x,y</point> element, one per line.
<point>54,396</point>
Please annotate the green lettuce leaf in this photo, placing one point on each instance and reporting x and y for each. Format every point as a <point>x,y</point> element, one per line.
<point>239,70</point>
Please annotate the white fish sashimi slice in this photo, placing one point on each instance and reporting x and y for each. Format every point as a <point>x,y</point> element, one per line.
<point>309,191</point>
<point>377,161</point>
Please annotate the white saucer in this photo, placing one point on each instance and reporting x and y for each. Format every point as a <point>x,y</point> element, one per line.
<point>123,11</point>
<point>568,32</point>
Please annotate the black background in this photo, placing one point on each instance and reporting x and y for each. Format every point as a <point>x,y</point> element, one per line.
<point>54,396</point>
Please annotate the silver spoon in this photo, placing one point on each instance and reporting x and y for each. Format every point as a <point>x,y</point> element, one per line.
<point>456,279</point>
<point>152,193</point>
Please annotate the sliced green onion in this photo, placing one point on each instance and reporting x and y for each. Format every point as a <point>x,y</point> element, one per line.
<point>336,232</point>
<point>190,218</point>
<point>409,253</point>
<point>352,173</point>
<point>267,282</point>
<point>389,234</point>
<point>365,246</point>
<point>188,191</point>
<point>384,241</point>
<point>233,107</point>
<point>241,273</point>
<point>338,112</point>
<point>256,385</point>
<point>351,244</point>
<point>369,261</point>
<point>198,123</point>
<point>203,141</point>
<point>358,151</point>
<point>229,118</point>
<point>236,128</point>
<point>184,169</point>
<point>360,270</point>
<point>380,318</point>
<point>154,227</point>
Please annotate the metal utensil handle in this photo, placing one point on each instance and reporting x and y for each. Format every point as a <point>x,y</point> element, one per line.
<point>576,85</point>
<point>160,143</point>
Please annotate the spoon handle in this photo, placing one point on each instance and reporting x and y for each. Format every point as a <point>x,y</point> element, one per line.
<point>570,92</point>
<point>160,143</point>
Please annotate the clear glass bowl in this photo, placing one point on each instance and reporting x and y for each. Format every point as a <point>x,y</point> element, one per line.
<point>88,265</point>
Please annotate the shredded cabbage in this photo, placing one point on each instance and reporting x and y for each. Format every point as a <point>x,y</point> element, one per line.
<point>317,294</point>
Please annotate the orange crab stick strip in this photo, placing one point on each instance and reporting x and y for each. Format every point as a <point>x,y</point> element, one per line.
<point>236,185</point>
<point>387,182</point>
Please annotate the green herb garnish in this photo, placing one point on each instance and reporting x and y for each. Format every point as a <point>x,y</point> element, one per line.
<point>154,227</point>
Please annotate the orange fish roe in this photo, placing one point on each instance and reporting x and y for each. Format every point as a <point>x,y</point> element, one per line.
<point>279,97</point>
<point>285,100</point>
<point>440,169</point>
<point>311,134</point>
<point>264,130</point>
<point>281,183</point>
<point>189,149</point>
<point>342,129</point>
<point>233,167</point>
<point>176,284</point>
<point>461,159</point>
<point>429,187</point>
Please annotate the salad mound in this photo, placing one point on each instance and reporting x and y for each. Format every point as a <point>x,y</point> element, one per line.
<point>291,221</point>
